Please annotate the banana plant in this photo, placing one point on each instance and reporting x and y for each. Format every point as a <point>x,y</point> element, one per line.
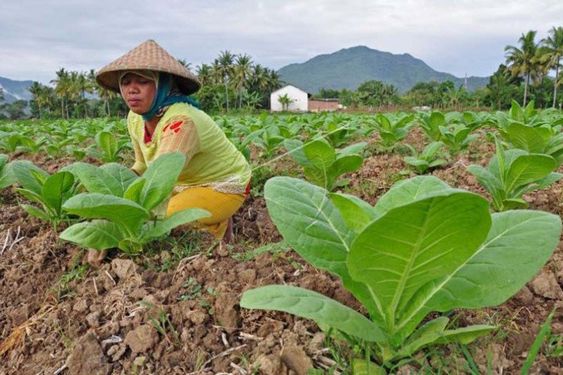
<point>323,164</point>
<point>424,248</point>
<point>428,159</point>
<point>48,192</point>
<point>512,173</point>
<point>126,210</point>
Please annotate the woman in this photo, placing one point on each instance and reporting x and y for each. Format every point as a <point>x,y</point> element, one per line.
<point>162,118</point>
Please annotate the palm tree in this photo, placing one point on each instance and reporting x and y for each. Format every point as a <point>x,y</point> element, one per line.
<point>204,72</point>
<point>224,64</point>
<point>523,61</point>
<point>551,53</point>
<point>242,71</point>
<point>63,89</point>
<point>285,101</point>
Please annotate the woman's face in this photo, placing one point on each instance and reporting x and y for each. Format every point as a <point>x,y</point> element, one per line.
<point>138,92</point>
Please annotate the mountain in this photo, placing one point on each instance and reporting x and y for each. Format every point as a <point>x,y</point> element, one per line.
<point>350,67</point>
<point>15,90</point>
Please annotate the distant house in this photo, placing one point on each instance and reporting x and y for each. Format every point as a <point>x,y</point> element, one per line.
<point>298,99</point>
<point>320,105</point>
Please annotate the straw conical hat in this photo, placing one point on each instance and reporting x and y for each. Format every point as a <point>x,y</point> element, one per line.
<point>150,56</point>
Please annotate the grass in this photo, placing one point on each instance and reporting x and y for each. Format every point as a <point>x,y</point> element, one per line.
<point>76,272</point>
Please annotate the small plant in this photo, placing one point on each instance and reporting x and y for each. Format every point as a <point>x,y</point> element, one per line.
<point>431,123</point>
<point>512,173</point>
<point>425,247</point>
<point>131,221</point>
<point>50,192</point>
<point>543,334</point>
<point>322,164</point>
<point>456,137</point>
<point>428,159</point>
<point>392,131</point>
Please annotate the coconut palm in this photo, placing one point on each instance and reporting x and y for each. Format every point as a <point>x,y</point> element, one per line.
<point>551,53</point>
<point>224,68</point>
<point>241,74</point>
<point>63,89</point>
<point>523,61</point>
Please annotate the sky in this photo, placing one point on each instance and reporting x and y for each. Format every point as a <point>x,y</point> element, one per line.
<point>38,37</point>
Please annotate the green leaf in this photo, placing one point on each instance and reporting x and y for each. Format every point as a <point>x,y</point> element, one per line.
<point>363,367</point>
<point>425,335</point>
<point>96,234</point>
<point>56,189</point>
<point>26,174</point>
<point>7,177</point>
<point>497,270</point>
<point>527,138</point>
<point>414,244</point>
<point>36,212</point>
<point>465,335</point>
<point>161,176</point>
<point>313,227</point>
<point>503,263</point>
<point>411,190</point>
<point>107,142</point>
<point>295,149</point>
<point>312,305</point>
<point>121,174</point>
<point>355,212</point>
<point>526,169</point>
<point>101,206</point>
<point>320,154</point>
<point>346,164</point>
<point>163,227</point>
<point>96,179</point>
<point>133,192</point>
<point>354,149</point>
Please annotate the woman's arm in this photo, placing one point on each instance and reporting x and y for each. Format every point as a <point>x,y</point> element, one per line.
<point>179,135</point>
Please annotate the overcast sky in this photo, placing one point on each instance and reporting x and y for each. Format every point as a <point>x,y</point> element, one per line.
<point>455,36</point>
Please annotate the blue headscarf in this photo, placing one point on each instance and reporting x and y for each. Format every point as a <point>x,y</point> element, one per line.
<point>166,92</point>
<point>166,96</point>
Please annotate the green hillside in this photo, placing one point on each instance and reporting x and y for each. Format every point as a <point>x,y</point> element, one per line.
<point>349,67</point>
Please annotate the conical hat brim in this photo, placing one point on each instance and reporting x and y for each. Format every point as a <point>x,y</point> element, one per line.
<point>148,56</point>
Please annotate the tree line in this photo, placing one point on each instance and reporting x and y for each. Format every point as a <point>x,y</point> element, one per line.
<point>235,82</point>
<point>230,82</point>
<point>524,76</point>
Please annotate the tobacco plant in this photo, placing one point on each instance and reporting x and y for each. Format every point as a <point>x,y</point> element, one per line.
<point>512,173</point>
<point>457,137</point>
<point>323,164</point>
<point>129,221</point>
<point>48,192</point>
<point>425,247</point>
<point>392,131</point>
<point>430,158</point>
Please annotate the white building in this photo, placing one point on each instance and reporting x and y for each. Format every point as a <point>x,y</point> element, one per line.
<point>298,99</point>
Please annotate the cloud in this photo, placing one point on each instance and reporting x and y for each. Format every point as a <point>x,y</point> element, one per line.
<point>459,37</point>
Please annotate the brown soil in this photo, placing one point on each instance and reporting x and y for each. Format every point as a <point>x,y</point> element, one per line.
<point>165,313</point>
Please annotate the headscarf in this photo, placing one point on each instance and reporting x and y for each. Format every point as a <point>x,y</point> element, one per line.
<point>167,92</point>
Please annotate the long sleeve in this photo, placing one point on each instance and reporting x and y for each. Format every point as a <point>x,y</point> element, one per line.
<point>179,135</point>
